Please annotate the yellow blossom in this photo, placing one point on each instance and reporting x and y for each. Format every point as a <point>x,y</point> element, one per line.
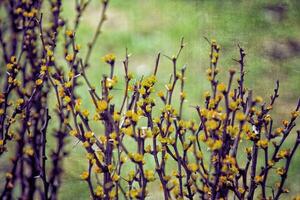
<point>283,153</point>
<point>295,114</point>
<point>86,144</point>
<point>133,193</point>
<point>102,105</point>
<point>149,175</point>
<point>49,52</point>
<point>271,163</point>
<point>112,194</point>
<point>182,95</point>
<point>240,116</point>
<point>233,105</point>
<point>99,191</point>
<point>67,99</point>
<point>85,113</point>
<point>161,94</point>
<point>110,82</point>
<point>77,47</point>
<point>217,145</point>
<point>241,190</point>
<point>69,33</point>
<point>115,177</point>
<point>131,175</point>
<point>39,81</point>
<point>202,137</point>
<point>102,138</point>
<point>97,169</point>
<point>193,167</point>
<point>221,87</point>
<point>285,123</point>
<point>258,179</point>
<point>84,175</point>
<point>109,58</point>
<point>28,151</point>
<point>113,135</point>
<point>116,116</point>
<point>232,130</point>
<point>19,102</point>
<point>280,171</point>
<point>138,157</point>
<point>199,154</point>
<point>90,156</point>
<point>127,131</point>
<point>211,124</point>
<point>88,134</point>
<point>44,68</point>
<point>258,99</point>
<point>77,104</point>
<point>73,133</point>
<point>70,57</point>
<point>148,148</point>
<point>278,131</point>
<point>68,84</point>
<point>169,86</point>
<point>135,117</point>
<point>263,143</point>
<point>123,159</point>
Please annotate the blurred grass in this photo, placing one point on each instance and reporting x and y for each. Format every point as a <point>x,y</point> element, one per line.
<point>147,27</point>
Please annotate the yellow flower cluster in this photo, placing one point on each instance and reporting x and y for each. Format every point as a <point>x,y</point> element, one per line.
<point>109,58</point>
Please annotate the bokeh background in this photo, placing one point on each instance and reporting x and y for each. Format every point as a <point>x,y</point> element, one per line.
<point>268,30</point>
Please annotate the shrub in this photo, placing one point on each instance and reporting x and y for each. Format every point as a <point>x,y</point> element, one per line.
<point>232,149</point>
